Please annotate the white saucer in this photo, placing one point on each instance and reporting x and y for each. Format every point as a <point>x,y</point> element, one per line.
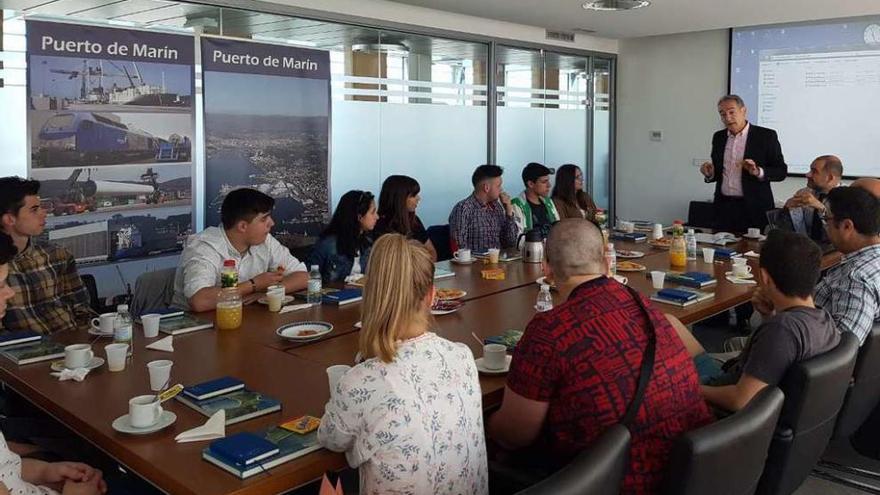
<point>95,331</point>
<point>460,262</point>
<point>486,371</point>
<point>744,277</point>
<point>627,254</point>
<point>437,312</point>
<point>292,331</point>
<point>264,300</point>
<point>96,362</point>
<point>123,425</point>
<point>758,238</point>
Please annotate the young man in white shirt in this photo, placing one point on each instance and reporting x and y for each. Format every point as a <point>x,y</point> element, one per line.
<point>244,236</point>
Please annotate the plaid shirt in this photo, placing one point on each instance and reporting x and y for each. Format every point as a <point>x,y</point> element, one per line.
<point>480,227</point>
<point>850,292</point>
<point>49,295</point>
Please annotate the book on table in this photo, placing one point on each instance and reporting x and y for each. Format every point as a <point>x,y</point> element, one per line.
<point>343,296</point>
<point>240,405</point>
<point>33,352</point>
<point>507,338</point>
<point>440,273</point>
<point>13,337</point>
<point>681,297</point>
<point>696,280</point>
<point>163,313</point>
<point>290,445</point>
<point>213,388</point>
<point>185,323</point>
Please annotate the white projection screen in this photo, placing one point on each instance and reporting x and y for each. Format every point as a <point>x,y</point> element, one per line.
<point>817,85</point>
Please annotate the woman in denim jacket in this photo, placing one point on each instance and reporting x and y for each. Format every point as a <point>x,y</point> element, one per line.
<point>347,237</point>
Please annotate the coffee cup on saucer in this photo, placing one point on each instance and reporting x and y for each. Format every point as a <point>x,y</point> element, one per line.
<point>78,356</point>
<point>144,411</point>
<point>463,255</point>
<point>494,356</point>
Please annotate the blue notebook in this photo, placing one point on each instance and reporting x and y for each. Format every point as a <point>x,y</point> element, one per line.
<point>13,337</point>
<point>344,296</point>
<point>243,448</point>
<point>724,253</point>
<point>629,236</point>
<point>697,280</point>
<point>214,388</point>
<point>677,294</point>
<point>290,445</point>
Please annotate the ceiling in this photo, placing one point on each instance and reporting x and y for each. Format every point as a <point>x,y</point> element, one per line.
<point>661,17</point>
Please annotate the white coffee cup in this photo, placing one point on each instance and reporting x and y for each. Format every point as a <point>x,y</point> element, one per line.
<point>275,297</point>
<point>658,231</point>
<point>160,373</point>
<point>494,356</point>
<point>116,354</point>
<point>738,260</point>
<point>754,232</point>
<point>334,374</point>
<point>657,279</point>
<point>144,411</point>
<point>150,323</point>
<point>709,255</point>
<point>78,356</point>
<point>463,255</point>
<point>104,323</point>
<point>741,270</point>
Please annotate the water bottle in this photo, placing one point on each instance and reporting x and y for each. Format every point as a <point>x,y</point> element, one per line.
<point>545,301</point>
<point>356,267</point>
<point>690,240</point>
<point>122,327</point>
<point>611,259</point>
<point>314,291</point>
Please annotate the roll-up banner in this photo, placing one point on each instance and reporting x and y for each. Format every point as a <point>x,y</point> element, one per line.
<point>110,122</point>
<point>267,126</point>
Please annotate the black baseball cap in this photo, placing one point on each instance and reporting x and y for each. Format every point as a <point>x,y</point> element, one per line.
<point>535,170</point>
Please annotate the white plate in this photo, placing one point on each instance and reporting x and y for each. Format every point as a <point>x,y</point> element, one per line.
<point>758,238</point>
<point>291,330</point>
<point>744,277</point>
<point>634,255</point>
<point>437,312</point>
<point>460,262</point>
<point>264,300</point>
<point>463,293</point>
<point>487,371</point>
<point>122,424</point>
<point>96,362</point>
<point>95,331</point>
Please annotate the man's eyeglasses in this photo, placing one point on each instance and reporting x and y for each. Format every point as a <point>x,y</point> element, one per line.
<point>826,218</point>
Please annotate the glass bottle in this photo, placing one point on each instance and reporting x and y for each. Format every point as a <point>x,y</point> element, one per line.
<point>122,327</point>
<point>229,309</point>
<point>690,240</point>
<point>229,274</point>
<point>545,300</point>
<point>314,293</point>
<point>678,248</point>
<point>611,259</point>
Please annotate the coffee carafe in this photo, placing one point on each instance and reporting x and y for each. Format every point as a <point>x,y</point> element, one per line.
<point>533,247</point>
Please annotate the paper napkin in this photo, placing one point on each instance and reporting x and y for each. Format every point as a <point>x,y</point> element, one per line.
<point>78,374</point>
<point>295,307</point>
<point>215,427</point>
<point>162,345</point>
<point>752,254</point>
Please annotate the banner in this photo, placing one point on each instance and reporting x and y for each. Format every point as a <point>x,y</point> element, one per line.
<point>267,126</point>
<point>110,118</point>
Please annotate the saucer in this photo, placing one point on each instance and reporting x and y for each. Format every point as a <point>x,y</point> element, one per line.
<point>304,331</point>
<point>744,277</point>
<point>462,262</point>
<point>487,371</point>
<point>99,333</point>
<point>123,425</point>
<point>96,362</point>
<point>759,237</point>
<point>265,300</point>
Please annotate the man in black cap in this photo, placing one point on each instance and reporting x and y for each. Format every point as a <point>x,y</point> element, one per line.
<point>533,209</point>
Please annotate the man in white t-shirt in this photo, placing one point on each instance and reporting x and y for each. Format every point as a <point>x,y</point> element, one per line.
<point>244,236</point>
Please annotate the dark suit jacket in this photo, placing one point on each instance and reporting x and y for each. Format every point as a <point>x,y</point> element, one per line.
<point>762,146</point>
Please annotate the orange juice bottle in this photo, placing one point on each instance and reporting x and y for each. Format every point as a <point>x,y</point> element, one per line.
<point>229,309</point>
<point>678,249</point>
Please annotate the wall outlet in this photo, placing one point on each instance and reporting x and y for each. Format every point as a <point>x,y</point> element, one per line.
<point>656,136</point>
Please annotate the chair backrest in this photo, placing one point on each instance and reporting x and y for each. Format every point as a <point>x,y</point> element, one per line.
<point>863,394</point>
<point>599,469</point>
<point>439,236</point>
<point>153,290</point>
<point>727,456</point>
<point>91,286</point>
<point>814,391</point>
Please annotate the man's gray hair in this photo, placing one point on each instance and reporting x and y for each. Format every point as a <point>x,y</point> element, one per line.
<point>831,164</point>
<point>575,247</point>
<point>734,98</point>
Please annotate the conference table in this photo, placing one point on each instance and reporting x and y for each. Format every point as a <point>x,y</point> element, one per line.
<point>294,373</point>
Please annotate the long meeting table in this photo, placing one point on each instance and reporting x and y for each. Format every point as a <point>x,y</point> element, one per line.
<point>294,373</point>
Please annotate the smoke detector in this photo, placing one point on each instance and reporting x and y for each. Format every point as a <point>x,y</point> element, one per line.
<point>615,5</point>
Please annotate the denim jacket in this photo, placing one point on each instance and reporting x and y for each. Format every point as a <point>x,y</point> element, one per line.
<point>334,265</point>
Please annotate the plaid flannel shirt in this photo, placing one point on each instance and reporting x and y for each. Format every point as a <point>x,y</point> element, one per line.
<point>850,292</point>
<point>473,225</point>
<point>49,295</point>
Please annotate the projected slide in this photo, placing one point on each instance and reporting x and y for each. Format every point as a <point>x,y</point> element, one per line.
<point>818,86</point>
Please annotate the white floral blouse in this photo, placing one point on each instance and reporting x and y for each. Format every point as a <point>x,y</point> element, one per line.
<point>10,474</point>
<point>414,425</point>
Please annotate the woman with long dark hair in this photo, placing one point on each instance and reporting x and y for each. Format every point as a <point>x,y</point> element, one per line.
<point>347,237</point>
<point>569,196</point>
<point>398,201</point>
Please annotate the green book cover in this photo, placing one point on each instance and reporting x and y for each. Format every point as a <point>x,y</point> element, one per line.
<point>240,405</point>
<point>507,338</point>
<point>183,324</point>
<point>33,352</point>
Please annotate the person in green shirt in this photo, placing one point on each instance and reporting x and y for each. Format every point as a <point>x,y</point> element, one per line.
<point>533,209</point>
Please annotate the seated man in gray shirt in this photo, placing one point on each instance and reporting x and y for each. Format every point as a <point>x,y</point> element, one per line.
<point>793,330</point>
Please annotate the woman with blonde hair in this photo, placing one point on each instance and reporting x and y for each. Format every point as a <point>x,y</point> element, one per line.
<point>410,415</point>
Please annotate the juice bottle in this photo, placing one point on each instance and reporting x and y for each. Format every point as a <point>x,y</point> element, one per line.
<point>229,309</point>
<point>678,249</point>
<point>229,274</point>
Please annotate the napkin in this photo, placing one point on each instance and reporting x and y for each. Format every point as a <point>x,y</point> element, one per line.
<point>215,427</point>
<point>752,254</point>
<point>162,345</point>
<point>78,374</point>
<point>295,307</point>
<point>743,281</point>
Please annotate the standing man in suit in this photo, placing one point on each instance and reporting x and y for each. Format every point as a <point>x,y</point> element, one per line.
<point>745,159</point>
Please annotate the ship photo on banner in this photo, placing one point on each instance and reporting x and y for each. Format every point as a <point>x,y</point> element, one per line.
<point>111,128</point>
<point>267,126</point>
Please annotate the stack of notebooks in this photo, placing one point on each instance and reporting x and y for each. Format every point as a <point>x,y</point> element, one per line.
<point>629,236</point>
<point>246,454</point>
<point>178,323</point>
<point>681,297</point>
<point>338,297</point>
<point>27,346</point>
<point>230,394</point>
<point>696,280</point>
<point>725,253</point>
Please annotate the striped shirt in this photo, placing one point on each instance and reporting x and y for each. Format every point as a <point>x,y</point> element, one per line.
<point>731,183</point>
<point>480,227</point>
<point>850,292</point>
<point>49,295</point>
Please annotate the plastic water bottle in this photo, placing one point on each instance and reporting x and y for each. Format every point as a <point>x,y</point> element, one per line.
<point>356,267</point>
<point>690,240</point>
<point>545,300</point>
<point>122,327</point>
<point>611,259</point>
<point>314,290</point>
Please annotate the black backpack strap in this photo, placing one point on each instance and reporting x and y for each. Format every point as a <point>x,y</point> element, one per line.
<point>647,367</point>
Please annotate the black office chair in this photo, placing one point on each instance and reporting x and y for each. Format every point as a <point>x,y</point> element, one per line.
<point>91,286</point>
<point>727,456</point>
<point>814,391</point>
<point>439,236</point>
<point>599,469</point>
